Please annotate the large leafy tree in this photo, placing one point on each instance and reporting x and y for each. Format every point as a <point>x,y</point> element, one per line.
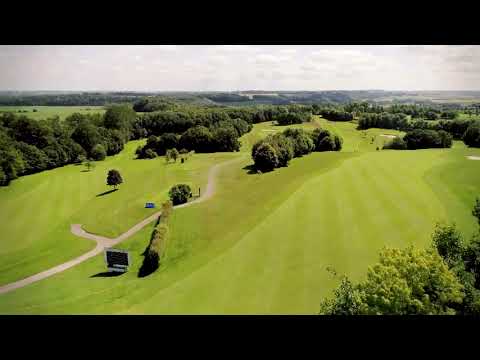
<point>121,118</point>
<point>472,135</point>
<point>114,178</point>
<point>179,194</point>
<point>265,157</point>
<point>404,281</point>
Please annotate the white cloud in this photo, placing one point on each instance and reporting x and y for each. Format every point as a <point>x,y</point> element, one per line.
<point>233,67</point>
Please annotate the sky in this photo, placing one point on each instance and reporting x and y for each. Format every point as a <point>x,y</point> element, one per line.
<point>238,67</point>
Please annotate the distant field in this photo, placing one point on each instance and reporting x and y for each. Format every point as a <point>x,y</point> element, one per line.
<point>262,244</point>
<point>44,112</point>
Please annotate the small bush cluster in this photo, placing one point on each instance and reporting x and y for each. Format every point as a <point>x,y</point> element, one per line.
<point>421,139</point>
<point>336,115</point>
<point>396,144</point>
<point>472,135</point>
<point>425,139</point>
<point>277,150</point>
<point>221,136</point>
<point>179,194</point>
<point>158,240</point>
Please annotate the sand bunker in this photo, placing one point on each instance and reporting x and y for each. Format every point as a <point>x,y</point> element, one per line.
<point>473,157</point>
<point>269,130</point>
<point>389,136</point>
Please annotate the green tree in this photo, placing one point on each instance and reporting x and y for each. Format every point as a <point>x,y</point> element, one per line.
<point>326,144</point>
<point>448,242</point>
<point>89,164</point>
<point>87,135</point>
<point>81,159</point>
<point>150,154</point>
<point>265,158</point>
<point>179,194</point>
<point>472,135</point>
<point>396,143</point>
<point>405,281</point>
<point>476,210</point>
<point>98,152</point>
<point>120,117</point>
<point>302,142</point>
<point>174,154</point>
<point>114,178</point>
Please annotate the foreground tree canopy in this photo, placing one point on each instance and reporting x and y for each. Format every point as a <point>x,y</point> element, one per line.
<point>442,279</point>
<point>403,282</point>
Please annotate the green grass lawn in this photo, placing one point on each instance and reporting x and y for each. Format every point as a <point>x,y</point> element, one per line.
<point>262,244</point>
<point>37,210</point>
<point>45,112</point>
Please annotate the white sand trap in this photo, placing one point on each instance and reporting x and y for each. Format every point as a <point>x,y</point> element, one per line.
<point>269,130</point>
<point>473,157</point>
<point>389,136</point>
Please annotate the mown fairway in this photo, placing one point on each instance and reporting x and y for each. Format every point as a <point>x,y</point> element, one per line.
<point>45,112</point>
<point>263,242</point>
<point>37,210</point>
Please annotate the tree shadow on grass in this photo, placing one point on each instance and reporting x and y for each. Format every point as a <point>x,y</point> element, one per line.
<point>106,192</point>
<point>84,170</point>
<point>107,274</point>
<point>251,170</point>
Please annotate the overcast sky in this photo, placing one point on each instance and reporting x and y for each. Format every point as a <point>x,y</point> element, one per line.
<point>239,67</point>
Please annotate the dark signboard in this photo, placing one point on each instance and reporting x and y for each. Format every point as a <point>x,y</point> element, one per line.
<point>117,260</point>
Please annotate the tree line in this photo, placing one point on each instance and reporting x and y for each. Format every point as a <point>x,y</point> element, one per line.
<point>222,135</point>
<point>29,146</point>
<point>420,139</point>
<point>277,150</point>
<point>466,130</point>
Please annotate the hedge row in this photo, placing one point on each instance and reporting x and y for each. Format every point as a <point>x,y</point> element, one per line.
<point>158,241</point>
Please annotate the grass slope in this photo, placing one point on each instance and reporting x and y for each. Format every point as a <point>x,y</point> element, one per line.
<point>37,210</point>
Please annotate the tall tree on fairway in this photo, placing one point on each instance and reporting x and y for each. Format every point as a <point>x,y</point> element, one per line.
<point>114,178</point>
<point>89,164</point>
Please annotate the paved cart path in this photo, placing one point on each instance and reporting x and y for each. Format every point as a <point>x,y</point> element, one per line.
<point>103,242</point>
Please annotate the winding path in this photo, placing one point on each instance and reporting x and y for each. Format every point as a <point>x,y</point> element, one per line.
<point>103,242</point>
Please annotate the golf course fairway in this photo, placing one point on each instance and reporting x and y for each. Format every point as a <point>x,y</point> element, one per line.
<point>263,244</point>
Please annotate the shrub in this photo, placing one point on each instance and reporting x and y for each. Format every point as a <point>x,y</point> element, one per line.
<point>265,157</point>
<point>448,242</point>
<point>326,144</point>
<point>98,152</point>
<point>335,115</point>
<point>396,144</point>
<point>476,210</point>
<point>338,143</point>
<point>424,139</point>
<point>326,141</point>
<point>302,142</point>
<point>472,135</point>
<point>179,194</point>
<point>283,146</point>
<point>150,154</point>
